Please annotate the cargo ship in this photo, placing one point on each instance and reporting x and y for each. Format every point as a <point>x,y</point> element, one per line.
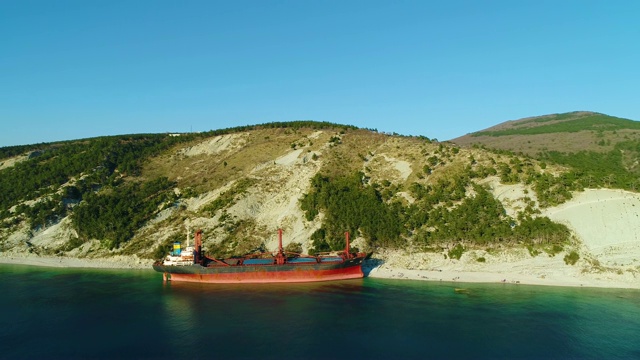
<point>191,265</point>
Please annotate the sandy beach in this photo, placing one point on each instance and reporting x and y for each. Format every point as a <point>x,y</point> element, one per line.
<point>540,270</point>
<point>117,262</point>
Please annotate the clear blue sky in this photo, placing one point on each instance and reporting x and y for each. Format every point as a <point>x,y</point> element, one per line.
<point>77,69</point>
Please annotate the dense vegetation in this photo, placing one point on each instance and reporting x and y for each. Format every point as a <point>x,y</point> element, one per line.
<point>83,167</point>
<point>280,125</point>
<point>10,151</point>
<point>350,205</point>
<point>443,213</point>
<point>614,169</point>
<point>617,169</point>
<point>114,216</point>
<point>52,166</point>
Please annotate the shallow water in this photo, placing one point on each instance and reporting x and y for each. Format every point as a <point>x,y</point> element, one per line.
<point>83,313</point>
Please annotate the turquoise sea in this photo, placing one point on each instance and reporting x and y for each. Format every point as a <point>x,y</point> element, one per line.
<point>52,313</point>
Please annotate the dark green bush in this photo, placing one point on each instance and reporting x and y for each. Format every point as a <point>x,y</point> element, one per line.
<point>571,258</point>
<point>456,252</point>
<point>293,247</point>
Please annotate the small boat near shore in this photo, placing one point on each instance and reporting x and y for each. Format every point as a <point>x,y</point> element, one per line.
<point>191,265</point>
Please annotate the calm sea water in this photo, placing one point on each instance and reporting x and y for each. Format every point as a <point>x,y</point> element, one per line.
<point>79,313</point>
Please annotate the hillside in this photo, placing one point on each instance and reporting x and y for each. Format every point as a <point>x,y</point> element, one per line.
<point>415,203</point>
<point>597,149</point>
<point>568,132</point>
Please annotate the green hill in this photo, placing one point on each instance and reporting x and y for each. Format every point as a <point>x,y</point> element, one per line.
<point>569,132</point>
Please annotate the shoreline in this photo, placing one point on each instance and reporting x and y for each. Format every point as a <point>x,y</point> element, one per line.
<point>509,266</point>
<point>486,277</point>
<point>372,270</point>
<point>70,262</point>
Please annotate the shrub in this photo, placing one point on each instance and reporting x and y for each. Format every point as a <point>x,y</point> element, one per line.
<point>553,250</point>
<point>293,247</point>
<point>481,259</point>
<point>571,258</point>
<point>533,251</point>
<point>73,243</point>
<point>456,252</point>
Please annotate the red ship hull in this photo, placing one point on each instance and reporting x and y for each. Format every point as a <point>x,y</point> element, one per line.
<point>286,273</point>
<point>276,269</point>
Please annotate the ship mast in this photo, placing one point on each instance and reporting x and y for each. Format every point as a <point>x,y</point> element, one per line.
<point>197,256</point>
<point>347,248</point>
<point>280,256</point>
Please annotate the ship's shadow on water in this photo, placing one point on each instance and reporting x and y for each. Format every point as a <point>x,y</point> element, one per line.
<point>370,264</point>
